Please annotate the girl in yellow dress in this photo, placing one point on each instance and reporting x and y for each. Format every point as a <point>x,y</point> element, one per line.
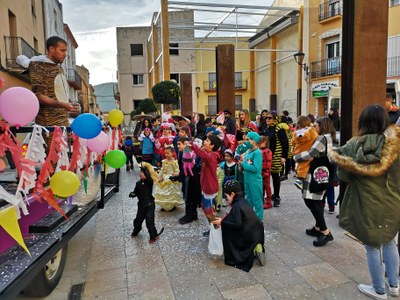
<point>167,192</point>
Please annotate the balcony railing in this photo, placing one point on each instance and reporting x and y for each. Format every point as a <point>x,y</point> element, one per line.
<point>329,9</point>
<point>393,66</point>
<point>212,85</point>
<point>326,67</point>
<point>74,79</point>
<point>17,46</point>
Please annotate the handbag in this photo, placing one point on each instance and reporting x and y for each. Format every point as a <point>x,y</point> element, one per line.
<point>215,245</point>
<point>322,173</point>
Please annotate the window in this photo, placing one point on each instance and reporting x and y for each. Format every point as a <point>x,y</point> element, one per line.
<point>212,105</point>
<point>175,77</point>
<point>55,21</point>
<point>137,79</point>
<point>212,81</point>
<point>136,103</point>
<point>174,51</point>
<point>333,8</point>
<point>238,102</point>
<point>394,2</point>
<point>238,80</point>
<point>35,44</point>
<point>33,8</point>
<point>332,57</point>
<point>136,49</point>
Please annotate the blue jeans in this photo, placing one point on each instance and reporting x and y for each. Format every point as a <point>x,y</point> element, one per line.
<point>377,267</point>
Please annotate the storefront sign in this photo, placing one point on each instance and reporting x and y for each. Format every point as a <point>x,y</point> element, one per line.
<point>319,90</point>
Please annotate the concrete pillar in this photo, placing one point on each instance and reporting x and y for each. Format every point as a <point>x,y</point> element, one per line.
<point>365,34</point>
<point>225,65</point>
<point>273,105</point>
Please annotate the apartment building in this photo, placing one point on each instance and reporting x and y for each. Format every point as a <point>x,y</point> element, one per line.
<point>325,52</point>
<point>21,32</point>
<point>206,77</point>
<point>136,51</point>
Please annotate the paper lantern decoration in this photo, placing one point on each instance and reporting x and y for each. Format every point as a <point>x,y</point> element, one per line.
<point>86,126</point>
<point>64,183</point>
<point>18,106</point>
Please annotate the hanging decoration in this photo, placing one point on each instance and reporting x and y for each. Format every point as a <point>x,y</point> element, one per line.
<point>40,192</point>
<point>63,157</point>
<point>9,222</point>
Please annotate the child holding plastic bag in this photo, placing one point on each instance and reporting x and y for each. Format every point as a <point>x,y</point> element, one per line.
<point>242,231</point>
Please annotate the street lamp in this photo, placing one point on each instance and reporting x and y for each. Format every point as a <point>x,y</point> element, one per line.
<point>298,57</point>
<point>197,91</point>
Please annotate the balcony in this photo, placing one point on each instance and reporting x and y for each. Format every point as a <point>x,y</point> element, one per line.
<point>17,46</point>
<point>329,9</point>
<point>393,66</point>
<point>74,80</point>
<point>210,86</point>
<point>326,67</point>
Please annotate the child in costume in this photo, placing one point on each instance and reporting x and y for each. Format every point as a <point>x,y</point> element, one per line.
<point>252,165</point>
<point>147,140</point>
<point>209,182</point>
<point>167,193</point>
<point>164,139</point>
<point>303,138</point>
<point>127,147</point>
<point>143,191</point>
<point>228,166</point>
<point>190,185</point>
<point>266,170</point>
<point>242,231</point>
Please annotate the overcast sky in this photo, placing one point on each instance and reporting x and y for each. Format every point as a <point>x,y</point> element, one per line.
<point>93,24</point>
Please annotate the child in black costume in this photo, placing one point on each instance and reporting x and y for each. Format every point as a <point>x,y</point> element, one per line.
<point>143,191</point>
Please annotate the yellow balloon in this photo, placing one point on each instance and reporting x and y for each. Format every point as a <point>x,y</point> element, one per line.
<point>64,183</point>
<point>115,116</point>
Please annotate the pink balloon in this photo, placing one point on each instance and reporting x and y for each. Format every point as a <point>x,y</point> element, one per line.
<point>100,143</point>
<point>18,106</point>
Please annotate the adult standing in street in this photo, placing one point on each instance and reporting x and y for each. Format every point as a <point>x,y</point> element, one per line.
<point>393,110</point>
<point>243,125</point>
<point>279,146</point>
<point>229,123</point>
<point>50,86</point>
<point>334,116</point>
<point>370,210</point>
<point>326,131</point>
<point>262,126</point>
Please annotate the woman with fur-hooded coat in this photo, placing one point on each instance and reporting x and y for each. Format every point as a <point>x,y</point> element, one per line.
<point>370,210</point>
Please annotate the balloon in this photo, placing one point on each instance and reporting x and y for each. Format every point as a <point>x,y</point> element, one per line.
<point>18,106</point>
<point>64,183</point>
<point>115,158</point>
<point>86,126</point>
<point>115,116</point>
<point>128,143</point>
<point>100,143</point>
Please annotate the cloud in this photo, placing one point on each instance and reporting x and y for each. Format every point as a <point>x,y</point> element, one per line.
<point>93,23</point>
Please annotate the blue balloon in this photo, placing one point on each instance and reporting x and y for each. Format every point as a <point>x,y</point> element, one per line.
<point>86,126</point>
<point>128,143</point>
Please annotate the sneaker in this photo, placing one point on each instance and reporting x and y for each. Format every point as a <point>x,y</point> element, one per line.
<point>370,291</point>
<point>331,209</point>
<point>313,232</point>
<point>299,184</point>
<point>322,239</point>
<point>157,237</point>
<point>259,254</point>
<point>393,290</point>
<point>277,201</point>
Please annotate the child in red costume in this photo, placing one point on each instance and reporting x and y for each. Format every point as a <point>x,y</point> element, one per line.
<point>266,170</point>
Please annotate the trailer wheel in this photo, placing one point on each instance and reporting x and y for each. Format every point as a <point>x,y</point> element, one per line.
<point>48,278</point>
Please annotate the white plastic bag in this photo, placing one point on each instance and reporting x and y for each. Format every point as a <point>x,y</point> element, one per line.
<point>215,246</point>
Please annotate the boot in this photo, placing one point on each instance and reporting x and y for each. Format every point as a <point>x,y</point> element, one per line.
<point>267,203</point>
<point>127,168</point>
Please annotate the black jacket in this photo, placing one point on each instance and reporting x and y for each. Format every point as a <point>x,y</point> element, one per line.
<point>144,190</point>
<point>230,125</point>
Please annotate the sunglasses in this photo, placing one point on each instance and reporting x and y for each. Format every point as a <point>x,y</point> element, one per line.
<point>269,118</point>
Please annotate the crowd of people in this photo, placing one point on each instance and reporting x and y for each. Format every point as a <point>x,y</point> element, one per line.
<point>212,162</point>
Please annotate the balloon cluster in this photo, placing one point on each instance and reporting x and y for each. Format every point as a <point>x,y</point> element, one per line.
<point>19,106</point>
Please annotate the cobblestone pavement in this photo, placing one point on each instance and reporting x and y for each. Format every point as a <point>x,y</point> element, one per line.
<point>114,266</point>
